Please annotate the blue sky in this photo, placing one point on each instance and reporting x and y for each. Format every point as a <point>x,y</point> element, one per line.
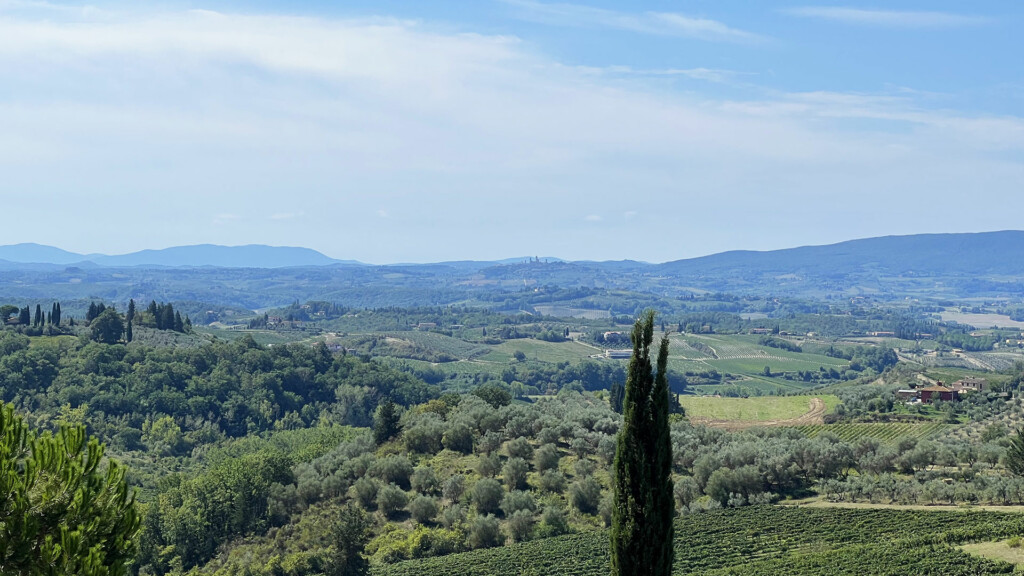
<point>422,131</point>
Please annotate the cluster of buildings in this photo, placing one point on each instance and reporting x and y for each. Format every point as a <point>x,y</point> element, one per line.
<point>938,391</point>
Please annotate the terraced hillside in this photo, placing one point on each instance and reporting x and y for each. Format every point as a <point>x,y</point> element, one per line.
<point>763,540</point>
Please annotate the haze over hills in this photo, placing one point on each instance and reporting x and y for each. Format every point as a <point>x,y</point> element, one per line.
<point>987,264</point>
<point>923,254</point>
<point>248,256</point>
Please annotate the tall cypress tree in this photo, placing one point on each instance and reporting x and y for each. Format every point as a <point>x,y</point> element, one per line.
<point>56,319</point>
<point>129,319</point>
<point>641,535</point>
<point>38,320</point>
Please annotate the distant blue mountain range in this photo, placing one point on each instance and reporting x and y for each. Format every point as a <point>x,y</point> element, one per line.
<point>249,256</point>
<point>984,253</point>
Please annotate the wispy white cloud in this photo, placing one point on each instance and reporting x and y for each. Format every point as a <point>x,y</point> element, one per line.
<point>656,23</point>
<point>287,215</point>
<point>469,135</point>
<point>888,18</point>
<point>593,218</point>
<point>705,74</point>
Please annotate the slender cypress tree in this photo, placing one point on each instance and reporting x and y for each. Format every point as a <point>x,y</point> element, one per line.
<point>56,319</point>
<point>129,319</point>
<point>38,320</point>
<point>1015,454</point>
<point>641,535</point>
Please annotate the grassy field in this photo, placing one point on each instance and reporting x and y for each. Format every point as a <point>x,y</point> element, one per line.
<point>740,354</point>
<point>754,409</point>
<point>996,551</point>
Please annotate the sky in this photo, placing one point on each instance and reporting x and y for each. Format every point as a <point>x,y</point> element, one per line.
<point>411,131</point>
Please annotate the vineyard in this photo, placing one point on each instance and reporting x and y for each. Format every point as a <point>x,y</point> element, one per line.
<point>763,540</point>
<point>888,432</point>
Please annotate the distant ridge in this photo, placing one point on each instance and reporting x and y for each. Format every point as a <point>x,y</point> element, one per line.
<point>248,256</point>
<point>982,253</point>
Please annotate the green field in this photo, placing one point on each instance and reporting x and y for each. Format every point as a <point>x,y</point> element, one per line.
<point>886,432</point>
<point>754,409</point>
<point>763,540</point>
<point>539,350</point>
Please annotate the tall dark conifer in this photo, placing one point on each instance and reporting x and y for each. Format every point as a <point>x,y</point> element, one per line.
<point>56,318</point>
<point>38,320</point>
<point>641,535</point>
<point>129,319</point>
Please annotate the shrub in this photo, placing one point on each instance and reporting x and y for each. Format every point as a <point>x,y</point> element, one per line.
<point>580,447</point>
<point>546,458</point>
<point>487,496</point>
<point>516,501</point>
<point>425,435</point>
<point>391,499</point>
<point>454,487</point>
<point>458,438</point>
<point>489,442</point>
<point>393,469</point>
<point>584,467</point>
<point>494,395</point>
<point>423,509</point>
<point>520,525</point>
<point>514,473</point>
<point>366,492</point>
<point>484,532</point>
<point>520,448</point>
<point>1013,542</point>
<point>487,466</point>
<point>585,494</point>
<point>453,517</point>
<point>553,522</point>
<point>424,480</point>
<point>552,481</point>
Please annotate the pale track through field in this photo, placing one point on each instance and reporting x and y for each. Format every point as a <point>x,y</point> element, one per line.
<point>815,415</point>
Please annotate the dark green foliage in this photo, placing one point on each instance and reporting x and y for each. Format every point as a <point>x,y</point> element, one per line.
<point>227,501</point>
<point>494,395</point>
<point>514,473</point>
<point>585,495</point>
<point>350,535</point>
<point>487,495</point>
<point>391,499</point>
<point>616,396</point>
<point>385,422</point>
<point>1015,454</point>
<point>61,513</point>
<point>129,319</point>
<point>641,533</point>
<point>107,327</point>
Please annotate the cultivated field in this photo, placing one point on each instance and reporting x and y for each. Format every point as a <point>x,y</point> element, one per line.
<point>764,540</point>
<point>758,411</point>
<point>885,432</point>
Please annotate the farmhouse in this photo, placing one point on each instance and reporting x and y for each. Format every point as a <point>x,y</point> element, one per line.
<point>907,395</point>
<point>618,353</point>
<point>930,394</point>
<point>426,325</point>
<point>761,331</point>
<point>970,384</point>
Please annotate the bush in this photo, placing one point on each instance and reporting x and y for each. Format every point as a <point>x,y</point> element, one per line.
<point>393,469</point>
<point>553,522</point>
<point>366,492</point>
<point>520,525</point>
<point>453,517</point>
<point>487,496</point>
<point>423,509</point>
<point>1013,542</point>
<point>391,499</point>
<point>585,495</point>
<point>425,435</point>
<point>484,532</point>
<point>520,448</point>
<point>518,500</point>
<point>458,438</point>
<point>584,467</point>
<point>488,466</point>
<point>580,447</point>
<point>514,473</point>
<point>489,442</point>
<point>424,480</point>
<point>546,458</point>
<point>494,395</point>
<point>552,481</point>
<point>454,487</point>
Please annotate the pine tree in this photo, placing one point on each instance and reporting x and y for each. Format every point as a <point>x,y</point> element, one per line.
<point>641,535</point>
<point>385,422</point>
